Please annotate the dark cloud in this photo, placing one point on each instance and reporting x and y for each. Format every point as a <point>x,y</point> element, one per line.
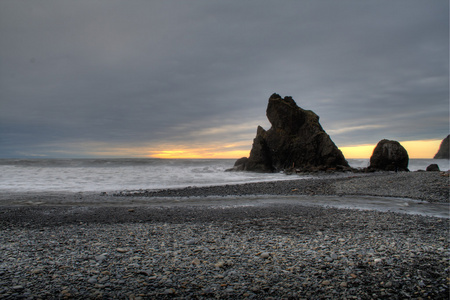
<point>162,72</point>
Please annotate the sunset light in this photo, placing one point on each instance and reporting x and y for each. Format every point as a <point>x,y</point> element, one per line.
<point>198,153</point>
<point>416,149</point>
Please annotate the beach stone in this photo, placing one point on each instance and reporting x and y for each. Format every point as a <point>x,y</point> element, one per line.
<point>92,279</point>
<point>169,291</point>
<point>220,264</point>
<point>100,258</point>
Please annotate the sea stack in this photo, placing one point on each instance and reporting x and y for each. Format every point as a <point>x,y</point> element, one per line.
<point>389,156</point>
<point>295,142</point>
<point>444,149</point>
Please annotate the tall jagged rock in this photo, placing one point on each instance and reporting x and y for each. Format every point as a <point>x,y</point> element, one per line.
<point>296,141</point>
<point>444,149</point>
<point>389,156</point>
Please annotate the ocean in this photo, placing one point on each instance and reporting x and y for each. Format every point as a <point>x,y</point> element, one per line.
<point>105,175</point>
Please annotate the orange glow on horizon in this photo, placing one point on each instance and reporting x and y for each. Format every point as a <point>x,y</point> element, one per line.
<point>416,149</point>
<point>198,153</point>
<point>358,151</point>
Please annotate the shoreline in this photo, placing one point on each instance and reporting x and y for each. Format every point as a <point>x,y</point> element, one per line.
<point>425,186</point>
<point>422,186</point>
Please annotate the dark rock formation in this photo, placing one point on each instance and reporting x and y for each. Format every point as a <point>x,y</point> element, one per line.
<point>389,156</point>
<point>239,165</point>
<point>295,142</point>
<point>433,168</point>
<point>444,149</point>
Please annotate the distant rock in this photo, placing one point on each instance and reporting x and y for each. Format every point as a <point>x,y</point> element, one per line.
<point>296,142</point>
<point>239,165</point>
<point>389,156</point>
<point>444,149</point>
<point>433,168</point>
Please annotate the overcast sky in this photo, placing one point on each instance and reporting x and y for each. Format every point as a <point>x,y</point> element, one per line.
<point>82,78</point>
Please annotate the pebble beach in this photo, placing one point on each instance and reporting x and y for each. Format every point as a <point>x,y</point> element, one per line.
<point>81,249</point>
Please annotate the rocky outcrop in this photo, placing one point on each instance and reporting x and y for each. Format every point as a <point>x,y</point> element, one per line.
<point>295,142</point>
<point>433,168</point>
<point>389,156</point>
<point>444,149</point>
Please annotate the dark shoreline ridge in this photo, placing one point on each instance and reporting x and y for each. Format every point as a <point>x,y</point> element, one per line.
<point>426,186</point>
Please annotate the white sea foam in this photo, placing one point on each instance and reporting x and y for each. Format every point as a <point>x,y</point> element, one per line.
<point>120,174</point>
<point>82,175</point>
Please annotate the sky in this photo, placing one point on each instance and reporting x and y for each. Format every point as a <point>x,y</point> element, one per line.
<point>171,79</point>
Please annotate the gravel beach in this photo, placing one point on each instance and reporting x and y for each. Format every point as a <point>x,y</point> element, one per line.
<point>426,186</point>
<point>55,250</point>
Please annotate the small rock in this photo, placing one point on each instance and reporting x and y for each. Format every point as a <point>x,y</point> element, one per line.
<point>36,271</point>
<point>92,279</point>
<point>196,261</point>
<point>169,291</point>
<point>433,168</point>
<point>265,255</point>
<point>121,250</point>
<point>220,264</point>
<point>100,258</point>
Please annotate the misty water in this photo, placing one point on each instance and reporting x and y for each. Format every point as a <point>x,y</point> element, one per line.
<point>106,175</point>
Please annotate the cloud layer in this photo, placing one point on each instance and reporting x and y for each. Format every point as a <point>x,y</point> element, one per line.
<point>152,73</point>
